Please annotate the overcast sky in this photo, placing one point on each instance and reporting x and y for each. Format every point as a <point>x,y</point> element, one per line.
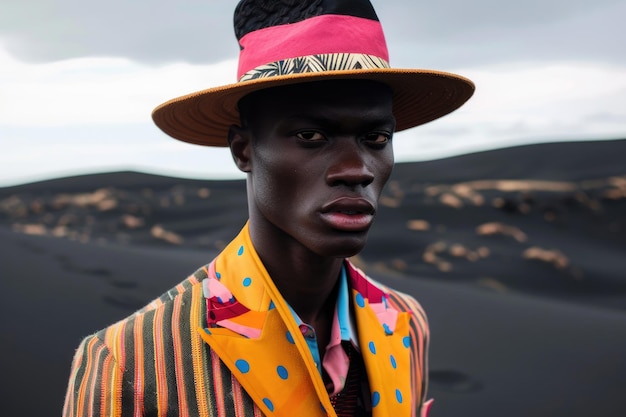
<point>79,79</point>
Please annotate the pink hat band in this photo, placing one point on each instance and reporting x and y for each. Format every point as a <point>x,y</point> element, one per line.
<point>323,43</point>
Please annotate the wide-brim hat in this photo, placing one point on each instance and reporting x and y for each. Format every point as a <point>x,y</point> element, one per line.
<point>322,40</point>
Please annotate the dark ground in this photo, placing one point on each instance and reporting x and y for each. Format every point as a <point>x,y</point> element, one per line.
<point>518,256</point>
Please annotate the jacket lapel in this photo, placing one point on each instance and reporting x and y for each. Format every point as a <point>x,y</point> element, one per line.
<point>384,341</point>
<point>261,343</point>
<point>256,336</point>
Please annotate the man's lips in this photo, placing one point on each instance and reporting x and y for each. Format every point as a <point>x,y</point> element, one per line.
<point>349,214</point>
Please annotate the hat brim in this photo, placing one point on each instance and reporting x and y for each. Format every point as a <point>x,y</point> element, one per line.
<point>419,96</point>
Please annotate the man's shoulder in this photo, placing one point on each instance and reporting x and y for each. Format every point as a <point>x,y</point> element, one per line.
<point>176,294</point>
<point>407,300</point>
<point>178,298</point>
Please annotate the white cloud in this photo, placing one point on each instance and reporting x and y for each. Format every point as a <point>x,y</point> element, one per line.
<point>93,114</point>
<point>85,91</point>
<point>532,102</point>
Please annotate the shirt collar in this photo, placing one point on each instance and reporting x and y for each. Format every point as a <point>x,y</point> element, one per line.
<point>343,322</point>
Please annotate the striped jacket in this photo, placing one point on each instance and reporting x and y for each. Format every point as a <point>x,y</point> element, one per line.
<point>161,361</point>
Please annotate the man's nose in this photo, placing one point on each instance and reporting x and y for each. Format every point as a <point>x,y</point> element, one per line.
<point>349,166</point>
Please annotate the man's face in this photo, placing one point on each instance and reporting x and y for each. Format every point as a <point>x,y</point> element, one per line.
<point>319,155</point>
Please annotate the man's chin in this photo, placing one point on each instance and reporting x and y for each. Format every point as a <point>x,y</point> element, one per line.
<point>345,248</point>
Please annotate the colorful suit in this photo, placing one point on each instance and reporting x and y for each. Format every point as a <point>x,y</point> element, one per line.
<point>184,354</point>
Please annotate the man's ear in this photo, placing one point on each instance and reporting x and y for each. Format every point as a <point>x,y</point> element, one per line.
<point>240,144</point>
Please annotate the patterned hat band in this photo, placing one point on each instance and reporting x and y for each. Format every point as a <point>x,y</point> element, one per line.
<point>316,63</point>
<point>318,44</point>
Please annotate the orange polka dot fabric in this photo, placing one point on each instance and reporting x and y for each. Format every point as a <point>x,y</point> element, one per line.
<point>275,365</point>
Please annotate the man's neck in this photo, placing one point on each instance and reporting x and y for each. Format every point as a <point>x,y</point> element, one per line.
<point>311,290</point>
<point>307,281</point>
<point>308,286</point>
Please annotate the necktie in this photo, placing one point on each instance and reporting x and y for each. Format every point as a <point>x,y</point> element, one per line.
<point>349,401</point>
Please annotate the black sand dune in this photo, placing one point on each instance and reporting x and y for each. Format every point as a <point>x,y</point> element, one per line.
<point>518,255</point>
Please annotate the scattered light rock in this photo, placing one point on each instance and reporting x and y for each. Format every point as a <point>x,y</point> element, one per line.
<point>179,199</point>
<point>483,252</point>
<point>14,206</point>
<point>429,257</point>
<point>437,247</point>
<point>459,251</point>
<point>31,229</point>
<point>523,185</point>
<point>478,200</point>
<point>615,194</point>
<point>60,231</point>
<point>493,284</point>
<point>619,182</point>
<point>37,206</point>
<point>106,205</point>
<point>399,264</point>
<point>418,225</point>
<point>391,202</point>
<point>204,193</point>
<point>84,199</point>
<point>451,200</point>
<point>464,190</point>
<point>495,228</point>
<point>395,190</point>
<point>132,222</point>
<point>159,232</point>
<point>553,256</point>
<point>444,266</point>
<point>435,190</point>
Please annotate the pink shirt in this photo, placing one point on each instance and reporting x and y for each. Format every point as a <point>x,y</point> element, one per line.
<point>336,361</point>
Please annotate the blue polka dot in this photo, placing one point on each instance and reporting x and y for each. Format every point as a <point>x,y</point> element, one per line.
<point>399,396</point>
<point>387,330</point>
<point>282,372</point>
<point>243,366</point>
<point>240,252</point>
<point>406,341</point>
<point>268,404</point>
<point>360,301</point>
<point>218,275</point>
<point>247,282</point>
<point>290,337</point>
<point>394,364</point>
<point>372,347</point>
<point>375,398</point>
<point>219,300</point>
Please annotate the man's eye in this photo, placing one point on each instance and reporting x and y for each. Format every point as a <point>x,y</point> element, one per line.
<point>378,138</point>
<point>310,136</point>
